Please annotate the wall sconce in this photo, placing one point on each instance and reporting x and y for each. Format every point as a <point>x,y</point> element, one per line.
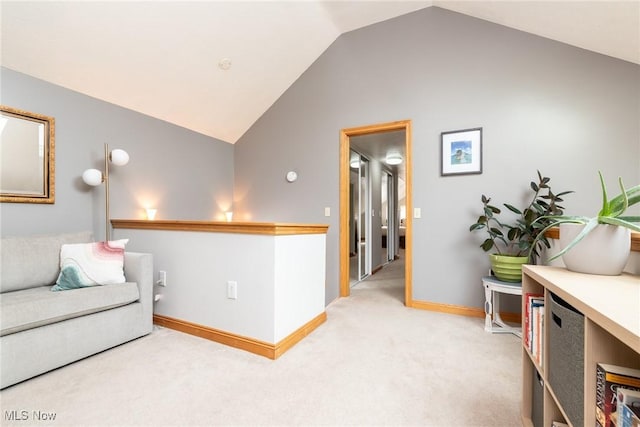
<point>229,216</point>
<point>95,177</point>
<point>151,213</point>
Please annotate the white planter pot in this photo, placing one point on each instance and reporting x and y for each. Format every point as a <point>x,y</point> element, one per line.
<point>604,251</point>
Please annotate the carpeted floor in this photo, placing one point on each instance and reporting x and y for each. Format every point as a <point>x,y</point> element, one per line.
<point>374,362</point>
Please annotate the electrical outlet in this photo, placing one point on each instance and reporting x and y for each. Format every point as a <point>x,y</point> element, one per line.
<point>232,289</point>
<point>162,278</point>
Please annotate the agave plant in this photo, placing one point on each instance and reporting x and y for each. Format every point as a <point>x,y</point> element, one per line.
<point>522,237</point>
<point>611,213</point>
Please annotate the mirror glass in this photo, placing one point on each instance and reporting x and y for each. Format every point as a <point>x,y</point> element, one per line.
<point>26,157</point>
<point>360,222</point>
<point>388,218</point>
<point>363,223</point>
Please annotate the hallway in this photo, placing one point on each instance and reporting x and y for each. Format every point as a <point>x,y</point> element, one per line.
<point>389,280</point>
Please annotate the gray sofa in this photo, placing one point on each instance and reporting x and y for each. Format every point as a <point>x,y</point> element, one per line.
<point>41,330</point>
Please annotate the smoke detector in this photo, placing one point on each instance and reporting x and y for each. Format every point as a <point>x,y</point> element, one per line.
<point>224,64</point>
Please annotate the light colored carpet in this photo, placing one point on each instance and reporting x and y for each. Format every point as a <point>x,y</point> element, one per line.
<point>374,362</point>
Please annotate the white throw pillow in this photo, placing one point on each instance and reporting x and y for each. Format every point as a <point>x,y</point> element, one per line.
<point>91,264</point>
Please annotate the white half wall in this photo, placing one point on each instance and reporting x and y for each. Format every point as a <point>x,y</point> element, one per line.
<point>280,279</point>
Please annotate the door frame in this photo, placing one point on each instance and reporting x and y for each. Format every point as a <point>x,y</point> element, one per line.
<point>345,135</point>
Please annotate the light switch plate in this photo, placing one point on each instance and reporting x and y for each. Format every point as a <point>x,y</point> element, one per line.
<point>232,289</point>
<point>162,278</point>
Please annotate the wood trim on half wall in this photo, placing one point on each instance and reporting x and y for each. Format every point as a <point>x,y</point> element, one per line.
<point>265,228</point>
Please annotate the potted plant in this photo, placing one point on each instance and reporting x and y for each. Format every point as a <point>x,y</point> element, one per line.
<point>518,242</point>
<point>599,244</point>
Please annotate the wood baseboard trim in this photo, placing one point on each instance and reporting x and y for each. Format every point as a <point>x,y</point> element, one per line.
<point>511,317</point>
<point>448,308</point>
<point>237,341</point>
<point>261,348</point>
<point>462,310</point>
<point>297,336</point>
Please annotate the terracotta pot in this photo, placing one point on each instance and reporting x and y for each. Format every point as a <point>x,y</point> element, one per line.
<point>603,251</point>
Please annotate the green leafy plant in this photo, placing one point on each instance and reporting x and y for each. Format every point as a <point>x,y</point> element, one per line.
<point>611,213</point>
<point>522,237</point>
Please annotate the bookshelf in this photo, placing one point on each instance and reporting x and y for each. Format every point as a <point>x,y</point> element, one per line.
<point>611,309</point>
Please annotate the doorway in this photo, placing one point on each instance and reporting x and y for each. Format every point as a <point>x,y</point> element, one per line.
<point>347,226</point>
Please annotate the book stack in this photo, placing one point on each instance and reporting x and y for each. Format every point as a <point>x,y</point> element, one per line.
<point>617,388</point>
<point>533,325</point>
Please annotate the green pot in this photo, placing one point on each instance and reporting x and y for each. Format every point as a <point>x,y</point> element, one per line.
<point>508,268</point>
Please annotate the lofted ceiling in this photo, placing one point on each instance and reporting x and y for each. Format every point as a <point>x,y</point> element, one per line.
<point>216,66</point>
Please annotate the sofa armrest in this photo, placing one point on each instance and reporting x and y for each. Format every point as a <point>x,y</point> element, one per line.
<point>138,268</point>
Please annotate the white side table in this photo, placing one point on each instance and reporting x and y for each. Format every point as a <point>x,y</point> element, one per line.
<point>492,290</point>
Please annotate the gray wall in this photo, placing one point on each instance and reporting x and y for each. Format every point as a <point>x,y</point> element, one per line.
<point>185,175</point>
<point>543,105</point>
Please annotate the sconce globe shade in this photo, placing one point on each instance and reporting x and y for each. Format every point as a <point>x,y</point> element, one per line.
<point>92,177</point>
<point>119,157</point>
<point>393,159</point>
<point>355,164</point>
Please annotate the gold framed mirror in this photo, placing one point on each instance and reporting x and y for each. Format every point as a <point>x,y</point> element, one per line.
<point>27,157</point>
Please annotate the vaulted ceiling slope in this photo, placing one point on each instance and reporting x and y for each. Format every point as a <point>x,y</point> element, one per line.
<point>168,59</point>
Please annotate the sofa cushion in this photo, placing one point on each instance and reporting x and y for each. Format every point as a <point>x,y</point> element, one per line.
<point>34,261</point>
<point>30,308</point>
<point>91,264</point>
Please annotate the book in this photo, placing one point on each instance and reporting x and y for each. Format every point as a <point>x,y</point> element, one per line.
<point>536,336</point>
<point>531,300</point>
<point>535,328</point>
<point>628,407</point>
<point>540,340</point>
<point>608,379</point>
<point>527,316</point>
<point>628,418</point>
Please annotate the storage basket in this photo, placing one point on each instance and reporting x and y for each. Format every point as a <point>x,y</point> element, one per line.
<point>566,357</point>
<point>537,401</point>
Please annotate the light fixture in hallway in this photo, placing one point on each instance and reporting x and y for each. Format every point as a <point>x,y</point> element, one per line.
<point>393,159</point>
